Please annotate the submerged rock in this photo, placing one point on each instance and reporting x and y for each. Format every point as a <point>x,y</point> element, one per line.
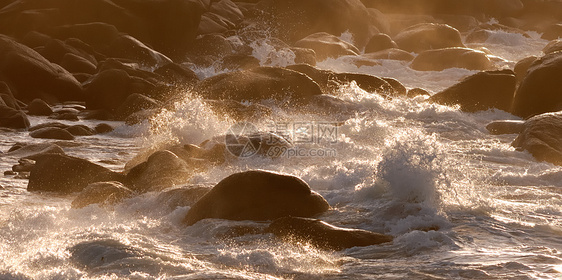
<point>481,91</point>
<point>324,235</point>
<point>257,195</point>
<point>65,174</point>
<point>103,193</point>
<point>542,137</point>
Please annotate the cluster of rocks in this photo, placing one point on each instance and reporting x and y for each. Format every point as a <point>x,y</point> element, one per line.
<point>126,59</point>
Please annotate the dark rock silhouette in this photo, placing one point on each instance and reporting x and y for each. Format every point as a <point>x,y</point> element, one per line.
<point>541,89</point>
<point>481,91</point>
<point>257,195</point>
<point>65,174</point>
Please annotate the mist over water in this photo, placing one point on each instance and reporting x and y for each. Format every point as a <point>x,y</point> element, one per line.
<point>459,202</point>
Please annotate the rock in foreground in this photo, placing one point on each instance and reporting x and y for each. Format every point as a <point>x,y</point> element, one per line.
<point>257,195</point>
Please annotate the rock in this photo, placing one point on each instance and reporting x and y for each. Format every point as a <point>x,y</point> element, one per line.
<point>77,64</point>
<point>32,151</point>
<point>326,46</point>
<point>52,133</point>
<point>12,118</point>
<point>177,74</point>
<point>380,42</point>
<point>296,19</point>
<point>18,63</point>
<point>182,196</point>
<point>428,36</point>
<point>441,59</point>
<point>65,174</point>
<point>110,88</point>
<point>130,48</point>
<point>553,32</point>
<point>239,111</point>
<point>304,55</point>
<point>257,195</point>
<point>541,136</point>
<point>240,62</point>
<point>259,84</point>
<point>481,91</point>
<point>161,170</point>
<point>392,54</point>
<point>67,116</point>
<point>24,165</point>
<point>103,128</point>
<point>38,107</point>
<point>553,46</point>
<point>417,92</point>
<point>540,90</point>
<point>522,66</point>
<point>227,9</point>
<point>80,130</point>
<point>330,81</point>
<point>102,193</point>
<point>48,124</point>
<point>134,103</point>
<point>505,127</point>
<point>324,235</point>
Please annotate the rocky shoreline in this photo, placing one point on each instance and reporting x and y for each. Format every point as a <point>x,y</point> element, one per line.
<point>126,60</point>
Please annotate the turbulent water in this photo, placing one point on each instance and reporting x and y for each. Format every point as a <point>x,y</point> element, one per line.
<point>460,203</point>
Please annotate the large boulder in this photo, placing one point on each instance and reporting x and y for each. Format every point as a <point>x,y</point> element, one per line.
<point>428,36</point>
<point>326,45</point>
<point>542,137</point>
<point>102,193</point>
<point>257,195</point>
<point>144,20</point>
<point>441,59</point>
<point>259,84</point>
<point>297,19</point>
<point>65,174</point>
<point>324,235</point>
<point>541,89</point>
<point>12,118</point>
<point>18,63</point>
<point>481,91</point>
